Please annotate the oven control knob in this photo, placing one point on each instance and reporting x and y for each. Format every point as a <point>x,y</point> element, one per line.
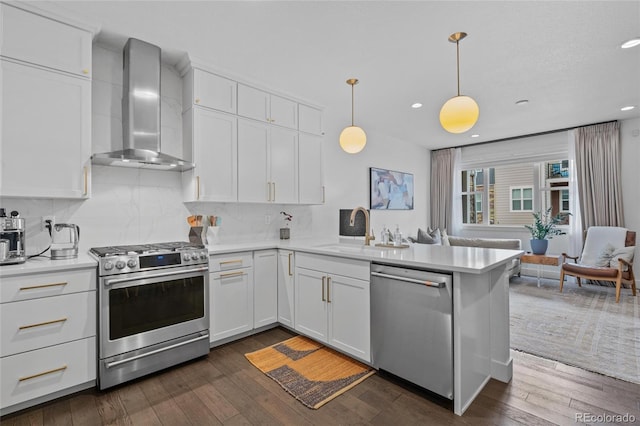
<point>203,255</point>
<point>186,256</point>
<point>120,264</point>
<point>131,263</point>
<point>108,266</point>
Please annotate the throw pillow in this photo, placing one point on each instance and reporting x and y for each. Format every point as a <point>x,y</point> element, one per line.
<point>429,237</point>
<point>445,238</point>
<point>604,258</point>
<point>625,253</point>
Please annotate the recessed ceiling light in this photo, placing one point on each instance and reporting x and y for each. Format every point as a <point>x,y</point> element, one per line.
<point>416,105</point>
<point>522,102</point>
<point>630,43</point>
<point>627,108</point>
<point>475,136</point>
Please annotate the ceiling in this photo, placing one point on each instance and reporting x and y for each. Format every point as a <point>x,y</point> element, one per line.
<point>563,56</point>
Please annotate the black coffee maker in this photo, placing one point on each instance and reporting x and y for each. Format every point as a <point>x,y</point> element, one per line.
<point>12,238</point>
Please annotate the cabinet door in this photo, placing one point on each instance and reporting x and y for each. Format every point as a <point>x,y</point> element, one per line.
<point>213,91</point>
<point>45,126</point>
<point>309,120</point>
<point>283,161</point>
<point>283,112</point>
<point>311,306</point>
<point>265,288</point>
<point>253,145</point>
<point>349,317</point>
<point>215,153</point>
<point>310,176</point>
<point>253,103</point>
<point>286,312</point>
<point>231,303</point>
<point>38,40</point>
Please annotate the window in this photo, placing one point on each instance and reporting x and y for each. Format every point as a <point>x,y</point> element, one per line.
<point>513,191</point>
<point>522,199</point>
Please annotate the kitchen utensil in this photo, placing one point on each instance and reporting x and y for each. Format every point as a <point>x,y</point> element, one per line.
<point>68,247</point>
<point>191,220</point>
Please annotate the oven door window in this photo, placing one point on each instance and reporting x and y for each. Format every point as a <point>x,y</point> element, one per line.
<point>140,308</point>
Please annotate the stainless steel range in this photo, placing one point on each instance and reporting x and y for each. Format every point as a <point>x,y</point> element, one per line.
<point>153,308</point>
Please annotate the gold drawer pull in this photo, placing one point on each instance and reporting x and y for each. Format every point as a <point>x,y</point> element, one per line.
<point>85,71</point>
<point>44,373</point>
<point>24,327</point>
<point>226,262</point>
<point>231,274</point>
<point>33,287</point>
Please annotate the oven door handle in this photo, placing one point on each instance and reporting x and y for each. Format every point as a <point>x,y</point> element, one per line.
<point>157,351</point>
<point>108,282</point>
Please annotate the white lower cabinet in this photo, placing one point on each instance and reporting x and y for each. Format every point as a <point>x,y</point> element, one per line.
<point>286,311</point>
<point>265,288</point>
<point>230,297</point>
<point>331,307</point>
<point>48,336</point>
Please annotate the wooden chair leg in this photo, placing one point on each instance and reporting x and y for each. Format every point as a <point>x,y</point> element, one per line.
<point>618,286</point>
<point>633,281</point>
<point>579,282</point>
<point>561,279</point>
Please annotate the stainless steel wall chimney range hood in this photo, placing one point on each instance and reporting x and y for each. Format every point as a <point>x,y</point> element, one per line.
<point>141,113</point>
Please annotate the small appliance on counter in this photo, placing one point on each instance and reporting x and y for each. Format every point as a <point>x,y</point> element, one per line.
<point>12,238</point>
<point>65,246</point>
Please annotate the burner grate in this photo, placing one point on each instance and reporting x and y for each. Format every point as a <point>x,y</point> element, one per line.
<point>143,248</point>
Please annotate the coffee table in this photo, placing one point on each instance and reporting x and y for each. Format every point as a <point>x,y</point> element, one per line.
<point>540,260</point>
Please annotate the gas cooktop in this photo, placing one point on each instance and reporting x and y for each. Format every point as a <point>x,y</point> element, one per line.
<point>145,248</point>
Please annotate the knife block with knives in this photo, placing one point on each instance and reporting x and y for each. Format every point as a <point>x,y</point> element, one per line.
<point>195,232</point>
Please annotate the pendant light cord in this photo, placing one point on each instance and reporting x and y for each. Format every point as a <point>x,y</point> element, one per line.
<point>458,63</point>
<point>352,89</point>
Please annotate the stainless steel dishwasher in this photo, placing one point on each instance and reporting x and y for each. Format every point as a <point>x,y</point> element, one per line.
<point>411,326</point>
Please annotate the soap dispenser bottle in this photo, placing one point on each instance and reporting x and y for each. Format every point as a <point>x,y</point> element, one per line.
<point>397,237</point>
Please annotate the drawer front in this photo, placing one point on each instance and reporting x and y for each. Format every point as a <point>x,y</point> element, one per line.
<point>37,373</point>
<point>224,262</point>
<point>334,265</point>
<point>34,324</point>
<point>32,286</point>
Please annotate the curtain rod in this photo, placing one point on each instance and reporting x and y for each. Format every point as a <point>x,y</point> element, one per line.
<point>529,135</point>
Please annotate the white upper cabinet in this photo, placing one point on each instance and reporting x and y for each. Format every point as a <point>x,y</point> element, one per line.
<point>259,105</point>
<point>211,142</point>
<point>310,120</point>
<point>208,90</point>
<point>45,125</point>
<point>267,163</point>
<point>42,41</point>
<point>310,176</point>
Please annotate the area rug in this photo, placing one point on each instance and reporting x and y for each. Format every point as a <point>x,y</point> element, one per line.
<point>311,372</point>
<point>582,326</point>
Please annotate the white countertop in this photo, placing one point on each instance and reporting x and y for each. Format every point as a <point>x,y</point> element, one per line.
<point>44,264</point>
<point>445,258</point>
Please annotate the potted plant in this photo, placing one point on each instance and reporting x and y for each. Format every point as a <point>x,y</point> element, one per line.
<point>544,228</point>
<point>284,232</point>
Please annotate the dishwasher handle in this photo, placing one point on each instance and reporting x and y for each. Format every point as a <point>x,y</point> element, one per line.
<point>410,280</point>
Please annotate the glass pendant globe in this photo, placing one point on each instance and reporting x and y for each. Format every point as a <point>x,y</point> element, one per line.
<point>459,114</point>
<point>353,139</point>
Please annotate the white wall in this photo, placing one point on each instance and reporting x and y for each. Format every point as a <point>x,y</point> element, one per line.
<point>630,163</point>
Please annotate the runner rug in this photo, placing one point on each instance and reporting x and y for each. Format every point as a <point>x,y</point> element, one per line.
<point>309,371</point>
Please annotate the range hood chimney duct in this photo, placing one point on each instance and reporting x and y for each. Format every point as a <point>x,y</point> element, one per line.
<point>141,113</point>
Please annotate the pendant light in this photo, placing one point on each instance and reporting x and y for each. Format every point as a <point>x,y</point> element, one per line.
<point>353,138</point>
<point>459,113</point>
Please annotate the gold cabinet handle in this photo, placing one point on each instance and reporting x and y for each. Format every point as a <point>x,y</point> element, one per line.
<point>85,71</point>
<point>44,373</point>
<point>231,274</point>
<point>323,280</point>
<point>33,287</point>
<point>226,262</point>
<point>197,100</point>
<point>268,191</point>
<point>198,188</point>
<point>290,272</point>
<point>328,289</point>
<point>24,327</point>
<point>86,180</point>
<point>274,190</point>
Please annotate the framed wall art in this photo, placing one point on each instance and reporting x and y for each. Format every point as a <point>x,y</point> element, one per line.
<point>390,190</point>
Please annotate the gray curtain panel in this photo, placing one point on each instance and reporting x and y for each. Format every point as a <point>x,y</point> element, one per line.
<point>598,174</point>
<point>441,203</point>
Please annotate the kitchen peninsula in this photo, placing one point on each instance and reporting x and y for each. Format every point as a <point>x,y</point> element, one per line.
<point>480,298</point>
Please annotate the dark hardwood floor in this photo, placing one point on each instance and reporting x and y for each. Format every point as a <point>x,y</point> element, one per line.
<point>224,388</point>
